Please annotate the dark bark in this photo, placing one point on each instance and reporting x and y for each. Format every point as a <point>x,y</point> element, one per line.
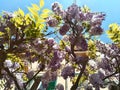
<point>74,87</point>
<point>109,75</point>
<point>14,78</point>
<point>36,83</point>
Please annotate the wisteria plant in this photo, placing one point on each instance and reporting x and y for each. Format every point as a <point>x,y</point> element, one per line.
<point>73,51</point>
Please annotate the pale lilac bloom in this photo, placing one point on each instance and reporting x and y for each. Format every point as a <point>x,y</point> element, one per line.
<point>55,46</point>
<point>30,74</point>
<point>63,14</point>
<point>97,19</point>
<point>92,63</point>
<point>79,28</point>
<point>96,30</point>
<point>8,63</point>
<point>64,29</point>
<point>47,77</point>
<point>56,8</point>
<point>101,73</point>
<point>50,41</point>
<point>16,65</point>
<point>55,62</point>
<point>67,49</point>
<point>80,16</point>
<point>68,71</point>
<point>37,41</point>
<point>73,10</point>
<point>95,80</point>
<point>88,16</point>
<point>65,38</point>
<point>20,82</point>
<point>52,22</point>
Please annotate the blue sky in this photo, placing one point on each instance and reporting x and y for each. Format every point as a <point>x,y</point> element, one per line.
<point>110,7</point>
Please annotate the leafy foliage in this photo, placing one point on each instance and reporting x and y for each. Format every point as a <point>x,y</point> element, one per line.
<point>114,33</point>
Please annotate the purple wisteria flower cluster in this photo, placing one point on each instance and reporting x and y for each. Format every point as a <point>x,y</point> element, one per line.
<point>75,22</point>
<point>26,49</point>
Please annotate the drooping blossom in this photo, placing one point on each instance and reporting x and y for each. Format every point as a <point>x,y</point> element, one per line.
<point>67,49</point>
<point>52,22</point>
<point>55,62</point>
<point>64,29</point>
<point>73,10</point>
<point>95,80</point>
<point>80,16</point>
<point>48,77</point>
<point>97,30</point>
<point>16,65</point>
<point>97,19</point>
<point>56,8</point>
<point>8,63</point>
<point>68,71</point>
<point>30,74</point>
<point>79,28</point>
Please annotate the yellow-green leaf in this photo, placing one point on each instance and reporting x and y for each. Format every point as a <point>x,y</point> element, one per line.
<point>31,10</point>
<point>41,3</point>
<point>46,11</point>
<point>21,12</point>
<point>36,7</point>
<point>85,8</point>
<point>34,13</point>
<point>41,20</point>
<point>43,15</point>
<point>1,33</point>
<point>41,26</point>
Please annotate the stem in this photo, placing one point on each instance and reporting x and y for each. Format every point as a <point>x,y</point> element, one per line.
<point>74,87</point>
<point>109,75</point>
<point>36,84</point>
<point>33,77</point>
<point>13,77</point>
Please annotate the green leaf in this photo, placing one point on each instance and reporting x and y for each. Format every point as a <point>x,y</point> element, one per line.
<point>44,15</point>
<point>85,9</point>
<point>41,26</point>
<point>114,32</point>
<point>40,20</point>
<point>1,33</point>
<point>41,3</point>
<point>36,7</point>
<point>34,13</point>
<point>21,12</point>
<point>31,10</point>
<point>46,11</point>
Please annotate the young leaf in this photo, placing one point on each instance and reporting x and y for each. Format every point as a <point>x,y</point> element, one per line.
<point>46,11</point>
<point>1,33</point>
<point>21,12</point>
<point>36,7</point>
<point>44,15</point>
<point>41,3</point>
<point>34,13</point>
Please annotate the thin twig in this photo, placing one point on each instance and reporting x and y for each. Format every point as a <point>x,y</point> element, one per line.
<point>13,77</point>
<point>109,75</point>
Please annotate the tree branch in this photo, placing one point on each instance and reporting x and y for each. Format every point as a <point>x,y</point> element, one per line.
<point>110,75</point>
<point>32,77</point>
<point>74,87</point>
<point>13,77</point>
